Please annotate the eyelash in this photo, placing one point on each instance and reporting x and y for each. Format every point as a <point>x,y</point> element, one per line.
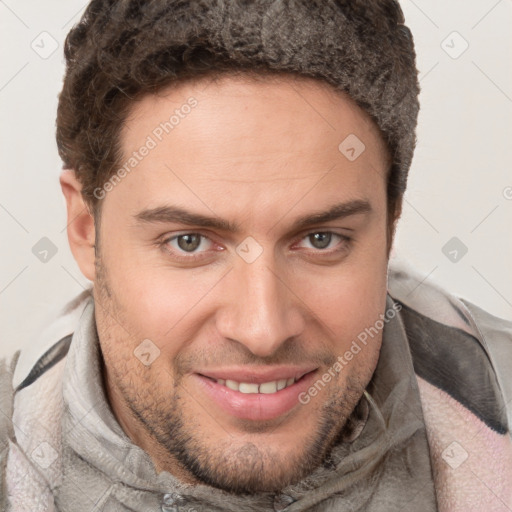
<point>343,244</point>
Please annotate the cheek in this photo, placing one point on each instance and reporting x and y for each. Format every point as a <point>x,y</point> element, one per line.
<point>349,297</point>
<point>346,315</point>
<point>159,302</point>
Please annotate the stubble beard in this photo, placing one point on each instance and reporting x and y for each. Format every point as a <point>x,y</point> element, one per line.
<point>236,466</point>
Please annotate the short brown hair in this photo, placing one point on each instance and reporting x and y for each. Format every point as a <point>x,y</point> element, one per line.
<point>123,49</point>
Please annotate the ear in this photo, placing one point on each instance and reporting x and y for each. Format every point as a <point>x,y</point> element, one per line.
<point>80,228</point>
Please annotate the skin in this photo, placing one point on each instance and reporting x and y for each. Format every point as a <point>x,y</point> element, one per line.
<point>259,154</point>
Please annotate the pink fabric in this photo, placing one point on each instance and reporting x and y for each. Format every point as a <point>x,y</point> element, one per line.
<point>472,463</point>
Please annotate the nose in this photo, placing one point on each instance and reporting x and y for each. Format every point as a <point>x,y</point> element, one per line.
<point>260,310</point>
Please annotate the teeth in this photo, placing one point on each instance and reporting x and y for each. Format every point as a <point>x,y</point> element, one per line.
<point>268,387</point>
<point>248,388</point>
<point>251,388</point>
<point>231,384</point>
<point>281,384</point>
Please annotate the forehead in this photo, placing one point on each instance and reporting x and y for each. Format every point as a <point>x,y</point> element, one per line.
<point>250,140</point>
<point>240,113</point>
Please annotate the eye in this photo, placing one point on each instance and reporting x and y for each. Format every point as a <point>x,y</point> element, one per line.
<point>189,242</point>
<point>322,240</point>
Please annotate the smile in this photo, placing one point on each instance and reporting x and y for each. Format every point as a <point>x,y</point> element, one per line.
<point>253,395</point>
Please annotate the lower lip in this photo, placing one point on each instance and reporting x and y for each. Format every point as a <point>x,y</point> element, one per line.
<point>256,406</point>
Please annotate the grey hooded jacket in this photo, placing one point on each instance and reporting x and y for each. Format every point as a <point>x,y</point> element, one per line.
<point>62,448</point>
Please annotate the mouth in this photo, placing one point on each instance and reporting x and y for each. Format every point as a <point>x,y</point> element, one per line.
<point>249,388</point>
<point>255,396</point>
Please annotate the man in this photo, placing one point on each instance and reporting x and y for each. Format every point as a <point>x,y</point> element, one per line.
<point>233,173</point>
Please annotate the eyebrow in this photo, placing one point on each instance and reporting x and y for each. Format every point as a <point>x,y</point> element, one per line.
<point>174,214</point>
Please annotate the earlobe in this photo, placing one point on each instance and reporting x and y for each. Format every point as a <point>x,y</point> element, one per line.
<point>80,224</point>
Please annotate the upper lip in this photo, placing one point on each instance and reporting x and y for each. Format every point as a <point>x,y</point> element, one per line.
<point>255,375</point>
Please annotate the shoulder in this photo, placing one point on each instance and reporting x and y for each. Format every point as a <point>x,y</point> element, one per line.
<point>30,403</point>
<point>30,462</point>
<point>48,345</point>
<point>7,366</point>
<point>456,346</point>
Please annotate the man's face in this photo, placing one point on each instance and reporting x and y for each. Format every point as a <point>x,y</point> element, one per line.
<point>248,251</point>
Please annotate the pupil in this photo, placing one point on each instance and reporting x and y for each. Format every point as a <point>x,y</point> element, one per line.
<point>189,242</point>
<point>320,240</point>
